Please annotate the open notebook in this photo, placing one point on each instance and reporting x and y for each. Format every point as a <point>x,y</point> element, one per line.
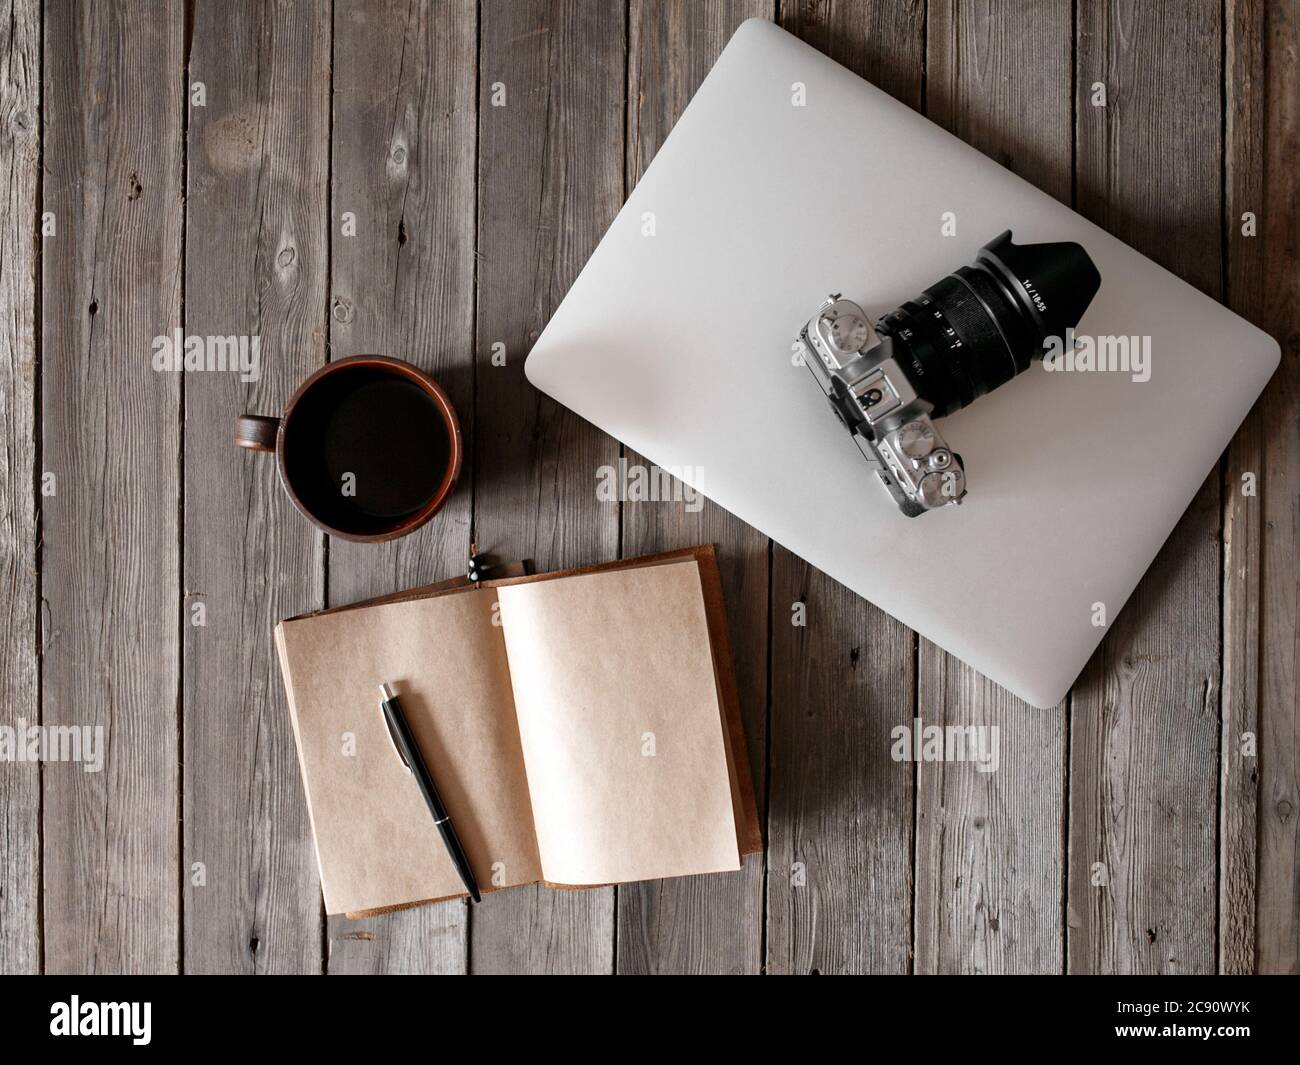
<point>582,728</point>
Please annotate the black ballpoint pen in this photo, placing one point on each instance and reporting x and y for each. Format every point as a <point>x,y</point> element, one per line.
<point>409,751</point>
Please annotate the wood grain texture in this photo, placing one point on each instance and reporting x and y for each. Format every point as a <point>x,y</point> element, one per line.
<point>20,785</point>
<point>1144,746</point>
<point>990,846</point>
<point>1245,100</point>
<point>403,165</point>
<point>1278,924</point>
<point>990,849</point>
<point>256,261</point>
<point>839,891</point>
<point>711,924</point>
<point>1001,82</point>
<point>550,183</point>
<point>839,885</point>
<point>111,282</point>
<point>1259,904</point>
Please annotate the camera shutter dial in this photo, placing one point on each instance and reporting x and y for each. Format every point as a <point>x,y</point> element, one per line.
<point>916,440</point>
<point>848,332</point>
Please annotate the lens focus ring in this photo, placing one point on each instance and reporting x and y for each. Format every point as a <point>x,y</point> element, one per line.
<point>984,353</point>
<point>963,337</point>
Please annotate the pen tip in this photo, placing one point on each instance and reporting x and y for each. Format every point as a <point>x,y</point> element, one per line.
<point>386,691</point>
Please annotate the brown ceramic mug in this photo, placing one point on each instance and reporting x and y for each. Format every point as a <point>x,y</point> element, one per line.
<point>368,448</point>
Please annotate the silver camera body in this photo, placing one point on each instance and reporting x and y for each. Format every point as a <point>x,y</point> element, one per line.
<point>877,403</point>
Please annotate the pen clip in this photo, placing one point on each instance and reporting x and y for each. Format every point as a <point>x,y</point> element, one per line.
<point>392,736</point>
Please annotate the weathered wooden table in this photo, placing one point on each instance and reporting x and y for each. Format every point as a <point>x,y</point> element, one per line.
<point>338,180</point>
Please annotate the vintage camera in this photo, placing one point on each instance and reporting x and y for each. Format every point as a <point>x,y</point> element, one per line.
<point>964,336</point>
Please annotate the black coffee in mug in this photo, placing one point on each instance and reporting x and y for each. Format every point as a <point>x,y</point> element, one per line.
<point>369,447</point>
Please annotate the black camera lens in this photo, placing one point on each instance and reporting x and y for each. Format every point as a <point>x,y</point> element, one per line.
<point>984,323</point>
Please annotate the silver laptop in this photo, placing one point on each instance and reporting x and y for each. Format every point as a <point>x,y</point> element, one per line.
<point>789,178</point>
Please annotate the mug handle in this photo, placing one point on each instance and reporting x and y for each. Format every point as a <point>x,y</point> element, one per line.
<point>256,432</point>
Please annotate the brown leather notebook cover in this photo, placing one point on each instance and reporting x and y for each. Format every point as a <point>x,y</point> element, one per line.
<point>568,711</point>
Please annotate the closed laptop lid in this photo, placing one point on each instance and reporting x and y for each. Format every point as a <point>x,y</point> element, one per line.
<point>788,178</point>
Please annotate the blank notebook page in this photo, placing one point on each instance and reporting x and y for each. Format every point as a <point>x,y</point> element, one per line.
<point>621,725</point>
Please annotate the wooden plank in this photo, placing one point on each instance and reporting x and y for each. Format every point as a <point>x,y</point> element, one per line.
<point>256,262</point>
<point>1144,742</point>
<point>1278,924</point>
<point>1245,97</point>
<point>20,785</point>
<point>708,924</point>
<point>550,183</point>
<point>990,846</point>
<point>111,436</point>
<point>839,809</point>
<point>403,285</point>
<point>1259,878</point>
